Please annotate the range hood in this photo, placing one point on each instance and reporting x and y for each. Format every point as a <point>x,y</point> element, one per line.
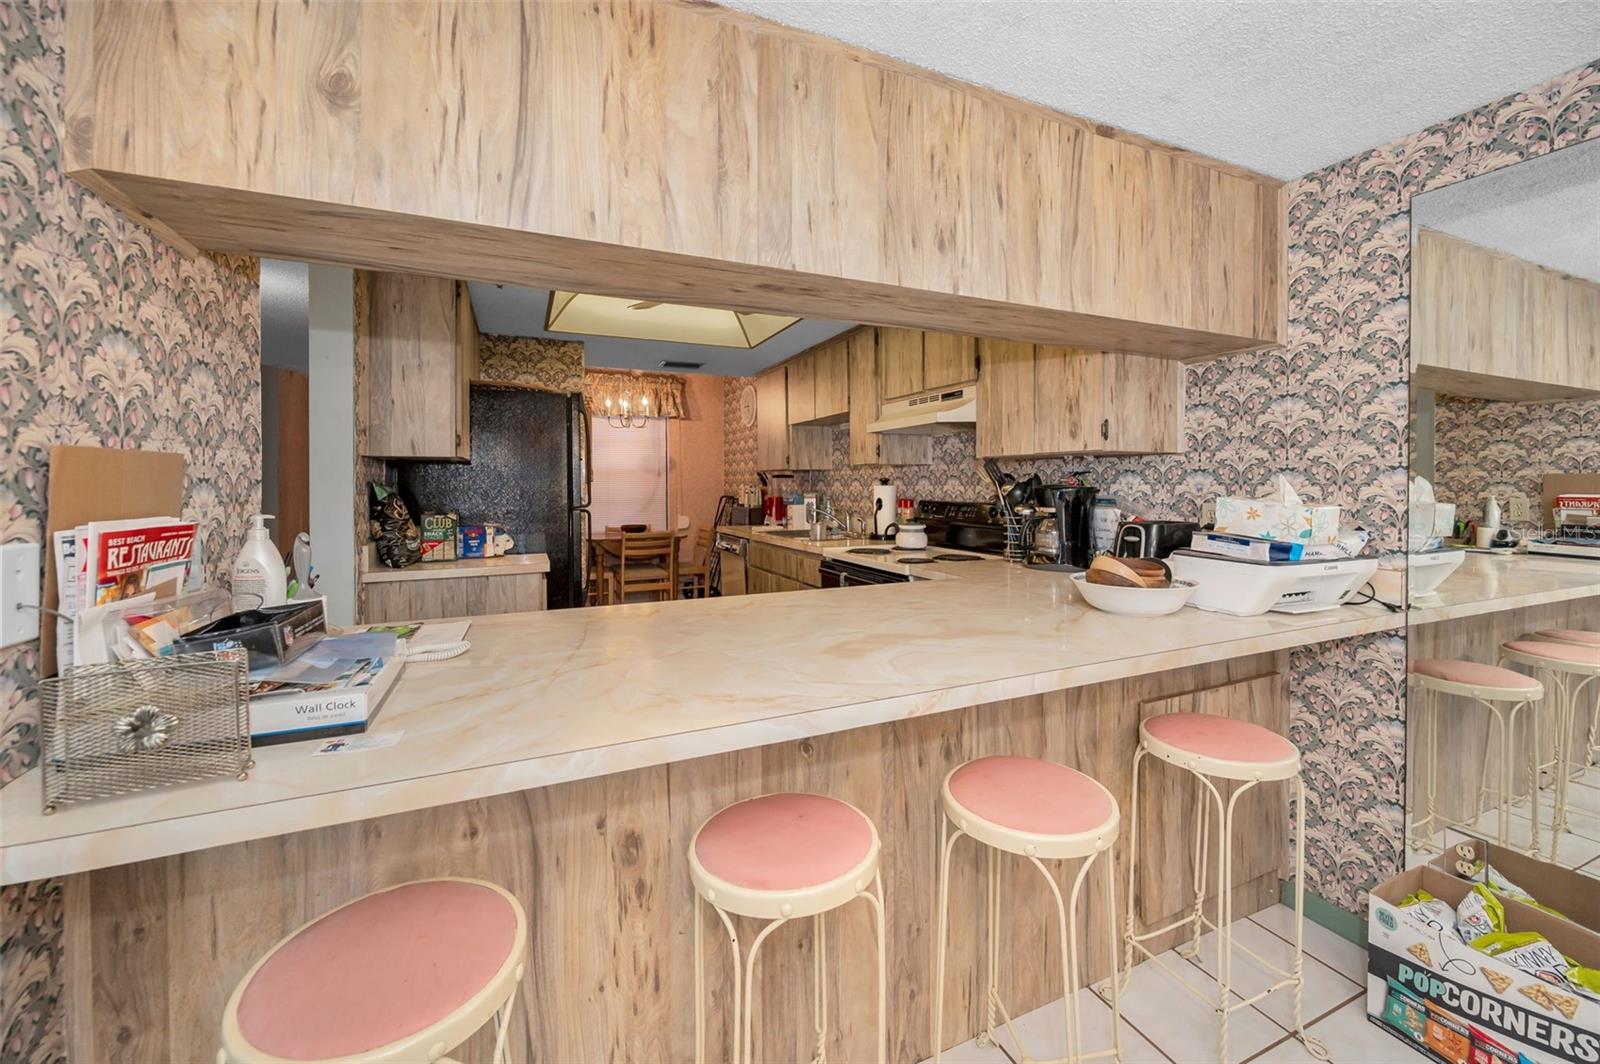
<point>944,410</point>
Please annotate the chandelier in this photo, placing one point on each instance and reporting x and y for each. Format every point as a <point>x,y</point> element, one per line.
<point>624,417</point>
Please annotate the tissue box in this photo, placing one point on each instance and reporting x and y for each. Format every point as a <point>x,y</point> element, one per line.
<point>1274,519</point>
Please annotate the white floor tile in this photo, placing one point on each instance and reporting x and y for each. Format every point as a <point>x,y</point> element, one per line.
<point>1183,1027</point>
<point>1044,1034</point>
<point>1572,851</point>
<point>970,1053</point>
<point>1325,989</point>
<point>1583,817</point>
<point>1340,954</point>
<point>1350,1038</point>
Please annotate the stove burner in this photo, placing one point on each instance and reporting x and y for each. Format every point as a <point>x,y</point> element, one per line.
<point>913,560</point>
<point>956,558</point>
<point>868,550</point>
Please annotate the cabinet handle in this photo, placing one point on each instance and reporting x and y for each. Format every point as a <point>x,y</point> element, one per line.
<point>1105,429</point>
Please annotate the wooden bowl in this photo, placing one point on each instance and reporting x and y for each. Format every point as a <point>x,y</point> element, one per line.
<point>1129,572</point>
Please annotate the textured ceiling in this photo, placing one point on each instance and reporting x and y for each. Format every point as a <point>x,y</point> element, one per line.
<point>512,311</point>
<point>1283,87</point>
<point>1545,210</point>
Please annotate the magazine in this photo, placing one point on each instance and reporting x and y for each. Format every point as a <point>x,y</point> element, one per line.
<point>149,555</point>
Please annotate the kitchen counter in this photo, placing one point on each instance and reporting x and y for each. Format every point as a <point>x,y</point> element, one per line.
<point>502,565</point>
<point>1488,583</point>
<point>544,698</point>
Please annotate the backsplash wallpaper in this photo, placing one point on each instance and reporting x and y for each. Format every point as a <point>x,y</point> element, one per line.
<point>108,337</point>
<point>1482,447</point>
<point>1329,411</point>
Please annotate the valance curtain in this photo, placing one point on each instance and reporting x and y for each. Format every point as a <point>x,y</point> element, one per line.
<point>663,390</point>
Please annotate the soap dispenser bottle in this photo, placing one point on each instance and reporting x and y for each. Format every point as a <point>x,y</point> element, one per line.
<point>1491,513</point>
<point>258,577</point>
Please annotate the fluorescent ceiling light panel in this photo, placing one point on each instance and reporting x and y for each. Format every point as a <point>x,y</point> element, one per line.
<point>647,319</point>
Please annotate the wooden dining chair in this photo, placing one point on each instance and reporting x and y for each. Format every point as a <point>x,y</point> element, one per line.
<point>647,564</point>
<point>694,577</point>
<point>600,562</point>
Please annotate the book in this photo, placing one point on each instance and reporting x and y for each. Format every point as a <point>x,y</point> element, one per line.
<point>1249,548</point>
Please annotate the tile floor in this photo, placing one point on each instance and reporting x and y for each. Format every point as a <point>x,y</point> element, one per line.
<point>1577,848</point>
<point>1163,1025</point>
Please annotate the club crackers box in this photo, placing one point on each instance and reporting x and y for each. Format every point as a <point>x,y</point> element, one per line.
<point>439,537</point>
<point>1458,1005</point>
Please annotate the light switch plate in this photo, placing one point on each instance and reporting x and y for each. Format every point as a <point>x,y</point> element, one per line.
<point>1517,508</point>
<point>1208,512</point>
<point>19,593</point>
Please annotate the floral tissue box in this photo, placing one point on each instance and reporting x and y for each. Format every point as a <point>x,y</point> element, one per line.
<point>1284,517</point>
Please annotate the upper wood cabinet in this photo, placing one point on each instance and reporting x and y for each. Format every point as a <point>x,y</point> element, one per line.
<point>866,402</point>
<point>819,384</point>
<point>912,360</point>
<point>675,151</point>
<point>1488,324</point>
<point>1040,400</point>
<point>772,419</point>
<point>422,352</point>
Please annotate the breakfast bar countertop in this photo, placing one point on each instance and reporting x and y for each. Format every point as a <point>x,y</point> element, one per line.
<point>1488,583</point>
<point>544,698</point>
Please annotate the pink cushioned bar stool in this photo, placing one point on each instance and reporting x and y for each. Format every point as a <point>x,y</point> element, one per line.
<point>1508,696</point>
<point>1214,749</point>
<point>1579,637</point>
<point>783,857</point>
<point>1040,811</point>
<point>1572,667</point>
<point>403,974</point>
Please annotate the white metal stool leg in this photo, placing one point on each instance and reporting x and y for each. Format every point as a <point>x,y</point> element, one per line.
<point>1080,823</point>
<point>1210,770</point>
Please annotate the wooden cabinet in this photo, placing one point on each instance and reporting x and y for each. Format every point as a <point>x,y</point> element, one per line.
<point>1491,325</point>
<point>866,401</point>
<point>772,419</point>
<point>782,392</point>
<point>1036,400</point>
<point>770,568</point>
<point>433,597</point>
<point>422,352</point>
<point>819,385</point>
<point>948,359</point>
<point>1005,399</point>
<point>899,362</point>
<point>832,373</point>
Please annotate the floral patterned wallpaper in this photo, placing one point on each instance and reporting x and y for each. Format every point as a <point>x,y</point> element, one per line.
<point>1329,411</point>
<point>108,337</point>
<point>1482,447</point>
<point>549,365</point>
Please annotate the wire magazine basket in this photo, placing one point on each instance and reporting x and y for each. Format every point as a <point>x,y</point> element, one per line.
<point>113,729</point>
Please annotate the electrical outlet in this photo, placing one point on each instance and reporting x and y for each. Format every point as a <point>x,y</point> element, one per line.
<point>19,593</point>
<point>1517,508</point>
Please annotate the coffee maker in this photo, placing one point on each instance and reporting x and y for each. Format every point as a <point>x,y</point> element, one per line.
<point>1058,536</point>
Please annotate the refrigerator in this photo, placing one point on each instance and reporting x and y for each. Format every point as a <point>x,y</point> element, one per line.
<point>529,471</point>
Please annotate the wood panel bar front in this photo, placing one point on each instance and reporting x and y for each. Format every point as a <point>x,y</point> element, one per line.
<point>157,946</point>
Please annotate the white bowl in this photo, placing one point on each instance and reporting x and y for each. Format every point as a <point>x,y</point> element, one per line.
<point>1134,601</point>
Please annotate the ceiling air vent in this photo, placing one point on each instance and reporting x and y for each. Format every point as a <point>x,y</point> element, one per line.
<point>668,363</point>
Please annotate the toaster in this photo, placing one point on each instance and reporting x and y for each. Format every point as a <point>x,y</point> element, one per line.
<point>1152,539</point>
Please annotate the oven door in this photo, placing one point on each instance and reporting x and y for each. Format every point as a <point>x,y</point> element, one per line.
<point>836,573</point>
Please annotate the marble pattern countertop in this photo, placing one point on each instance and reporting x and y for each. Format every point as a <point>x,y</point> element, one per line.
<point>1488,583</point>
<point>502,565</point>
<point>544,698</point>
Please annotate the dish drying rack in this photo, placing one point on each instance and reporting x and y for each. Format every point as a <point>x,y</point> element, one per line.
<point>1016,549</point>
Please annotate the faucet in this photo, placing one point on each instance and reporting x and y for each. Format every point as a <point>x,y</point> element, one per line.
<point>819,527</point>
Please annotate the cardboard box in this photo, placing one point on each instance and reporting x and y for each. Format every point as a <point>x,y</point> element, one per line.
<point>1439,995</point>
<point>296,716</point>
<point>1571,893</point>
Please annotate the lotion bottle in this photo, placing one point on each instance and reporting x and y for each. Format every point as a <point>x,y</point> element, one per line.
<point>258,577</point>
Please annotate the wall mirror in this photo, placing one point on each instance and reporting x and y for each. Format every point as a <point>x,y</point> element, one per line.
<point>1505,487</point>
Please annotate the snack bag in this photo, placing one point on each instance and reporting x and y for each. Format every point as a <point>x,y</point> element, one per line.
<point>1427,912</point>
<point>1585,981</point>
<point>1479,914</point>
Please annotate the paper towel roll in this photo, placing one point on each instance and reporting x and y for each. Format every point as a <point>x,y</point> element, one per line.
<point>884,500</point>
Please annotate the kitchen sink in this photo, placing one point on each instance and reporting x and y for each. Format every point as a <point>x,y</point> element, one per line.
<point>805,533</point>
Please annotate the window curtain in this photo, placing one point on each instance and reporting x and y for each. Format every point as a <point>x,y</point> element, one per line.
<point>663,390</point>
